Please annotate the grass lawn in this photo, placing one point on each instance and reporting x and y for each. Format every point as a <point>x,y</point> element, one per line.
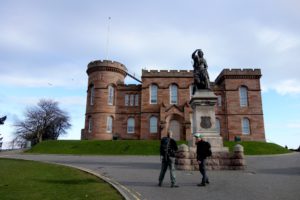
<point>258,148</point>
<point>21,179</point>
<point>94,147</point>
<point>136,147</point>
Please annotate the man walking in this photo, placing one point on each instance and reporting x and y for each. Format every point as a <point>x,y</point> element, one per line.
<point>168,147</point>
<point>203,151</point>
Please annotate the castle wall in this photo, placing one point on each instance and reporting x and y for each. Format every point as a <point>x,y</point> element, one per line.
<point>232,80</point>
<point>102,75</point>
<point>124,112</point>
<point>230,113</point>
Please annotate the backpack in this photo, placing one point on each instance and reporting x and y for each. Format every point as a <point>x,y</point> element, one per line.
<point>208,153</point>
<point>165,149</point>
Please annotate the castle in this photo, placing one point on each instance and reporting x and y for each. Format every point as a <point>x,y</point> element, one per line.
<point>161,102</point>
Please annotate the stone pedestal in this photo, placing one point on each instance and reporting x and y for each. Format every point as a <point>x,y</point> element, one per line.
<point>204,122</point>
<point>221,160</point>
<point>204,119</point>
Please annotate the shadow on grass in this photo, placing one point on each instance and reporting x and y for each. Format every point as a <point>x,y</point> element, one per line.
<point>67,181</point>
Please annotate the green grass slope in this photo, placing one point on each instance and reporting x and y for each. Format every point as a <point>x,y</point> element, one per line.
<point>258,148</point>
<point>136,147</point>
<point>96,147</point>
<point>35,181</point>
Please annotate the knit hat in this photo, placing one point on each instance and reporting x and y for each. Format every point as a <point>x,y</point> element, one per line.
<point>198,135</point>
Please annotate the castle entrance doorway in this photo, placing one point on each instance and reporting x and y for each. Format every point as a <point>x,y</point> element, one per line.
<point>175,127</point>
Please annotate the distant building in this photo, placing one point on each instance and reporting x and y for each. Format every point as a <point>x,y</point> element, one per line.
<point>161,102</point>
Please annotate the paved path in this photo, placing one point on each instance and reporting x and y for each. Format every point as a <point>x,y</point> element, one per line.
<point>266,177</point>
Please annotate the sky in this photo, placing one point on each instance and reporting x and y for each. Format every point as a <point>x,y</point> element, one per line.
<point>45,47</point>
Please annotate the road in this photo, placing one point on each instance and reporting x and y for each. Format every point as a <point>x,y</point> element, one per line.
<point>266,177</point>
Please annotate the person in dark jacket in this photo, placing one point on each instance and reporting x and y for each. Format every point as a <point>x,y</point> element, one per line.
<point>168,147</point>
<point>203,151</point>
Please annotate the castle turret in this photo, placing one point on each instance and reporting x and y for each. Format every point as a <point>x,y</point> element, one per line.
<point>103,77</point>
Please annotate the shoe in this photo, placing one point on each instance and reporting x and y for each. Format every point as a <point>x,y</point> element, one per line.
<point>174,186</point>
<point>159,184</point>
<point>201,184</point>
<point>207,182</point>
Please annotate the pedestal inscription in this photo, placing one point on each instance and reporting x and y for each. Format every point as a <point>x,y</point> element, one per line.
<point>205,122</point>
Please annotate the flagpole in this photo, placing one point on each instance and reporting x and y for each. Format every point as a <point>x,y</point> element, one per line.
<point>107,39</point>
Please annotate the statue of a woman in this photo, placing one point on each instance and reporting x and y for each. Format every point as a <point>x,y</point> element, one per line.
<point>201,78</point>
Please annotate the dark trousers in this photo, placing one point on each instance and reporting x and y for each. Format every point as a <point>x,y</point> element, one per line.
<point>202,170</point>
<point>169,162</point>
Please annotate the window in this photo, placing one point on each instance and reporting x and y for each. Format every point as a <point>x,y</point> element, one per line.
<point>131,99</point>
<point>153,124</point>
<point>126,100</point>
<point>191,90</point>
<point>136,100</point>
<point>130,125</point>
<point>92,94</point>
<point>191,120</point>
<point>110,95</point>
<point>109,124</point>
<point>173,94</point>
<point>219,100</point>
<point>246,126</point>
<point>243,97</point>
<point>218,126</point>
<point>90,124</point>
<point>153,94</point>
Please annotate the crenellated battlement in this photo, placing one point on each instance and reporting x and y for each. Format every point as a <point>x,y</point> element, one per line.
<point>167,73</point>
<point>247,73</point>
<point>106,65</point>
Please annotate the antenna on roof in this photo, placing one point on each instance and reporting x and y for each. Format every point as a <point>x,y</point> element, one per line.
<point>107,39</point>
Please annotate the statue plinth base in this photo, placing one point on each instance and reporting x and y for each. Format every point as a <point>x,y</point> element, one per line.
<point>204,122</point>
<point>204,119</point>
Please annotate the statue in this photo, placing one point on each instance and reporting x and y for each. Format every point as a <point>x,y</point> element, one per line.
<point>201,78</point>
<point>2,119</point>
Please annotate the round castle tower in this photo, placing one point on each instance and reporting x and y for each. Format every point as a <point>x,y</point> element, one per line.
<point>103,77</point>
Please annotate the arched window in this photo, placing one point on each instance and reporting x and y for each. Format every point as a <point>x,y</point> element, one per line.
<point>219,100</point>
<point>173,94</point>
<point>109,124</point>
<point>126,100</point>
<point>130,125</point>
<point>153,124</point>
<point>132,100</point>
<point>153,94</point>
<point>136,100</point>
<point>92,94</point>
<point>191,90</point>
<point>246,126</point>
<point>90,124</point>
<point>218,126</point>
<point>243,96</point>
<point>110,95</point>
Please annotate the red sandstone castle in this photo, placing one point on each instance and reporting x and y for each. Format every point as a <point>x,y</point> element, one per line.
<point>161,102</point>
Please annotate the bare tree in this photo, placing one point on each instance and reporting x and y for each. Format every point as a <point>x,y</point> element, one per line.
<point>2,119</point>
<point>43,122</point>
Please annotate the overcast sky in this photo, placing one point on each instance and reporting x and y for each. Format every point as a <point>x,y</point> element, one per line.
<point>45,47</point>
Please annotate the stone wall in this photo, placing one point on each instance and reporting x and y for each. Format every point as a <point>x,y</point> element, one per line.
<point>186,159</point>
